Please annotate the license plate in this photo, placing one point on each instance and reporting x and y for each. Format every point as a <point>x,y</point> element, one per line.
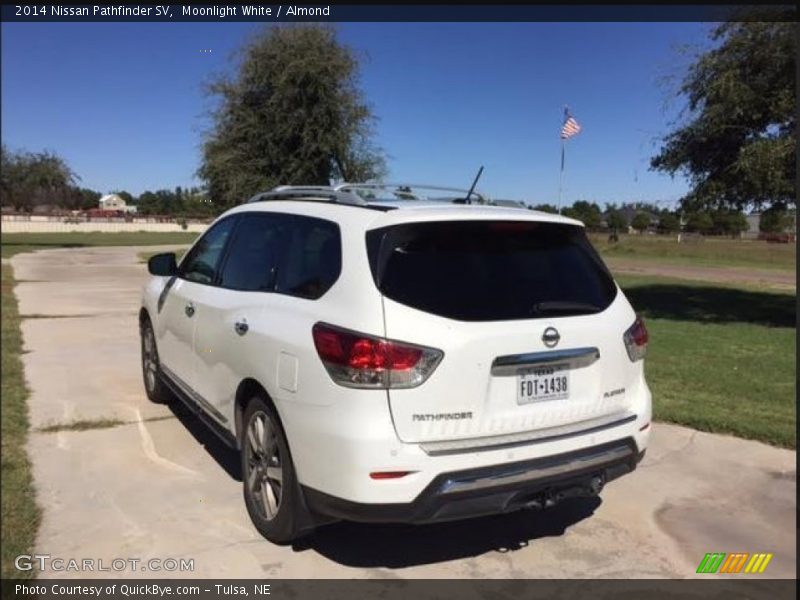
<point>550,382</point>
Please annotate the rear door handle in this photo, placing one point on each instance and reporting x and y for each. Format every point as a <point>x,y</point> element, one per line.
<point>189,310</point>
<point>241,327</point>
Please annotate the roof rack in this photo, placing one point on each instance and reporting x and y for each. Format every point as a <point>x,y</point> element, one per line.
<point>313,193</point>
<point>406,189</point>
<point>348,193</point>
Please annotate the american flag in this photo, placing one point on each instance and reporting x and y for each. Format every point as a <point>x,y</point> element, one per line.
<point>570,126</point>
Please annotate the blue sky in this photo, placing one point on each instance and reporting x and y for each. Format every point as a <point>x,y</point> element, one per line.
<point>123,102</point>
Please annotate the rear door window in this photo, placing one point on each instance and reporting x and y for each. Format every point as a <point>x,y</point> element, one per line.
<point>313,258</point>
<point>490,270</point>
<point>289,254</point>
<point>252,260</point>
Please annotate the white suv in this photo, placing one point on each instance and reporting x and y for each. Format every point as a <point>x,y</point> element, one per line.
<point>399,360</point>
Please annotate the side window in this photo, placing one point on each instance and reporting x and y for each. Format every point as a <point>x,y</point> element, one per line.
<point>254,251</point>
<point>312,260</point>
<point>201,262</point>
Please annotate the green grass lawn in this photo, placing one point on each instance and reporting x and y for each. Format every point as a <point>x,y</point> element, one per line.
<point>718,252</point>
<point>14,243</point>
<point>721,358</point>
<point>20,514</point>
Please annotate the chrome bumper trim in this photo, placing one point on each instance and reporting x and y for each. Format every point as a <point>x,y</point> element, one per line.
<point>497,442</point>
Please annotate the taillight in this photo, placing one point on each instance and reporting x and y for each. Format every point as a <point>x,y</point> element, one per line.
<point>636,340</point>
<point>363,361</point>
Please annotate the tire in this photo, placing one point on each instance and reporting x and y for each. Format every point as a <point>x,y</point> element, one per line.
<point>271,492</point>
<point>151,369</point>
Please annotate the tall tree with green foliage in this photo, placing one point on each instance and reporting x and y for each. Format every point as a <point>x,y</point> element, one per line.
<point>774,220</point>
<point>548,208</point>
<point>84,199</point>
<point>30,179</point>
<point>668,222</point>
<point>640,221</point>
<point>588,212</point>
<point>292,114</point>
<point>699,222</point>
<point>616,219</point>
<point>728,222</point>
<point>737,139</point>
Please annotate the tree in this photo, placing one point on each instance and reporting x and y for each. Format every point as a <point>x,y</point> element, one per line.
<point>616,219</point>
<point>640,221</point>
<point>737,223</point>
<point>32,179</point>
<point>774,220</point>
<point>197,204</point>
<point>548,208</point>
<point>699,222</point>
<point>669,222</point>
<point>738,145</point>
<point>728,222</point>
<point>291,114</point>
<point>86,199</point>
<point>148,203</point>
<point>588,212</point>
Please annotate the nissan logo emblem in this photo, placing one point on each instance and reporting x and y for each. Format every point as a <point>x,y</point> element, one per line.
<point>550,337</point>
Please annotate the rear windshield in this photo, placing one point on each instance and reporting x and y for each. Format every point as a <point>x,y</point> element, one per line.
<point>490,270</point>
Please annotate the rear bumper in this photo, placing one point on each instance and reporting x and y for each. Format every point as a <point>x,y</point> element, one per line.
<point>536,483</point>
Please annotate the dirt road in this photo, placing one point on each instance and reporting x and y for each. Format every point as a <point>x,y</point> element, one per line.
<point>160,486</point>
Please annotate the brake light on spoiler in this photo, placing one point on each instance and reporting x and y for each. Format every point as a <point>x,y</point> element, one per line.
<point>362,361</point>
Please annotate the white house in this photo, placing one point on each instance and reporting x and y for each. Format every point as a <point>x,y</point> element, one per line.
<point>114,202</point>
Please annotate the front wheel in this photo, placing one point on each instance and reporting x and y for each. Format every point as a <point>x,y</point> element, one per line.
<point>270,485</point>
<point>151,369</point>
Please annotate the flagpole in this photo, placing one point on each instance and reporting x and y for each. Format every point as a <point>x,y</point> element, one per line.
<point>561,175</point>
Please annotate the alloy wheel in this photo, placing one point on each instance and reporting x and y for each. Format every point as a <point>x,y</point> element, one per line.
<point>264,476</point>
<point>149,359</point>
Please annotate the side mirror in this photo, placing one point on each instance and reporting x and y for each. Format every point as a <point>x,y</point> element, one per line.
<point>163,264</point>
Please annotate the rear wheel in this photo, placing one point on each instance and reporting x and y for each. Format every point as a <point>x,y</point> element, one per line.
<point>270,485</point>
<point>151,370</point>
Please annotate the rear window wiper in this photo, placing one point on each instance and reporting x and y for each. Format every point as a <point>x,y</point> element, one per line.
<point>555,306</point>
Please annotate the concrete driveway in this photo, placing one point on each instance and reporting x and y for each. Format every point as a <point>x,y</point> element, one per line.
<point>160,486</point>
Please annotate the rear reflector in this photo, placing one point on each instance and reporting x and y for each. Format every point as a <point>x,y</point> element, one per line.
<point>388,474</point>
<point>358,360</point>
<point>635,339</point>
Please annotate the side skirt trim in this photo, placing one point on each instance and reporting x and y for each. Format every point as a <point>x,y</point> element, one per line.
<point>198,406</point>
